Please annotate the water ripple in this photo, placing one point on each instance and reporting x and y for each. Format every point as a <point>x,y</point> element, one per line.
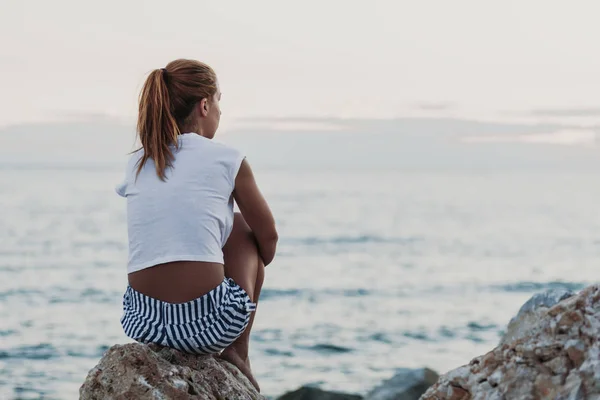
<point>360,239</point>
<point>529,287</point>
<point>42,351</point>
<point>327,348</point>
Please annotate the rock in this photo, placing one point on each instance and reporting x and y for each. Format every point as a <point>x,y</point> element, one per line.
<point>530,313</point>
<point>559,358</point>
<point>310,393</point>
<point>138,371</point>
<point>406,384</point>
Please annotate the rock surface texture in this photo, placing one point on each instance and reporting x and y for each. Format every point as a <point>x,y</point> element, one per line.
<point>137,371</point>
<point>527,319</point>
<point>310,393</point>
<point>406,384</point>
<point>557,356</point>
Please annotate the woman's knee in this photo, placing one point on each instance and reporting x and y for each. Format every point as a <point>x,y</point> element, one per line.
<point>241,245</point>
<point>260,275</point>
<point>239,218</point>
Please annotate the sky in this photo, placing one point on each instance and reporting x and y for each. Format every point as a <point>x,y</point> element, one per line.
<point>352,59</point>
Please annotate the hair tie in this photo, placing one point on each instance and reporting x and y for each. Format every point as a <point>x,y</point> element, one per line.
<point>164,74</point>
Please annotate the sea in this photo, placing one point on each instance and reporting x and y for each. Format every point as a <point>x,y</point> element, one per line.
<point>404,243</point>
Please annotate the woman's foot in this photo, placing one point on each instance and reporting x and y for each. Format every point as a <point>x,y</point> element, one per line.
<point>231,355</point>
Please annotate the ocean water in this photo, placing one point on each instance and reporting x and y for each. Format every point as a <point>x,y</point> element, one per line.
<point>378,268</point>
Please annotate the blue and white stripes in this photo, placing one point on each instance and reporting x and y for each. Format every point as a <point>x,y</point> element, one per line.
<point>205,325</point>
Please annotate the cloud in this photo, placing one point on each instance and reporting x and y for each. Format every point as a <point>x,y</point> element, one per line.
<point>567,112</point>
<point>435,106</point>
<point>410,126</point>
<point>580,137</point>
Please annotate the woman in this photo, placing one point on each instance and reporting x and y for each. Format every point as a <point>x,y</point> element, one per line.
<point>195,268</point>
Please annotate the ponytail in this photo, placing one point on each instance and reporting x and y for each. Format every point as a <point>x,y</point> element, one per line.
<point>166,106</point>
<point>156,125</point>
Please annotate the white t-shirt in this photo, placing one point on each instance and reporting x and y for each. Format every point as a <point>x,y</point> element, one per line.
<point>189,216</point>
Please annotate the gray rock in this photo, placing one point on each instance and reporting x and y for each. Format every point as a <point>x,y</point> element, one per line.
<point>311,393</point>
<point>546,299</point>
<point>525,322</point>
<point>406,384</point>
<point>558,359</point>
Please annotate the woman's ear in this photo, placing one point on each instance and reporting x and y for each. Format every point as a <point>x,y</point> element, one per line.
<point>203,107</point>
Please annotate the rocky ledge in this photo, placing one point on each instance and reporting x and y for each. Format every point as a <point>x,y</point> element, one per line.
<point>137,371</point>
<point>150,372</point>
<point>549,352</point>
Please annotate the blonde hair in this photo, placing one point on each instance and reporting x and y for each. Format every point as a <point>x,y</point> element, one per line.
<point>166,106</point>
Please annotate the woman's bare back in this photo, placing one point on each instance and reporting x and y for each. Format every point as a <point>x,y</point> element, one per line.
<point>179,281</point>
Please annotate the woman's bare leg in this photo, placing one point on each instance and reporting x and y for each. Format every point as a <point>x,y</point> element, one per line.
<point>244,265</point>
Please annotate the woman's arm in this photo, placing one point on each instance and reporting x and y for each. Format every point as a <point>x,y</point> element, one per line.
<point>256,212</point>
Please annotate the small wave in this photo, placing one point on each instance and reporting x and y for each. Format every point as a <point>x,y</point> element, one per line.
<point>474,338</point>
<point>266,294</point>
<point>101,246</point>
<point>19,292</point>
<point>9,268</point>
<point>271,293</point>
<point>280,353</point>
<point>527,287</point>
<point>419,335</point>
<point>358,292</point>
<point>380,337</point>
<point>58,294</point>
<point>477,327</point>
<point>314,241</point>
<point>267,335</point>
<point>64,295</point>
<point>328,348</point>
<point>446,332</point>
<point>29,393</point>
<point>42,351</point>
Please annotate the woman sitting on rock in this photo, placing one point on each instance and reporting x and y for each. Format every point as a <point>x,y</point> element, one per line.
<point>195,267</point>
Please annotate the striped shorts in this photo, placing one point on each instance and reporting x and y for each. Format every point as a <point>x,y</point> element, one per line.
<point>205,325</point>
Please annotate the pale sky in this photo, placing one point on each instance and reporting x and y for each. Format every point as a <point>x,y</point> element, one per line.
<point>304,58</point>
